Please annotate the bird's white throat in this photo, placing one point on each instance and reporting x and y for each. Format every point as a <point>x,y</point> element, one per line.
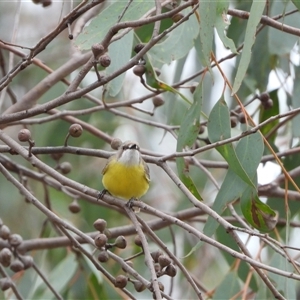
<point>130,157</point>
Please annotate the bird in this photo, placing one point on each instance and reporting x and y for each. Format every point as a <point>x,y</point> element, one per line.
<point>126,175</point>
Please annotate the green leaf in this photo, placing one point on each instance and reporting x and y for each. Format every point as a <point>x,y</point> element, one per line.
<point>280,43</point>
<point>243,268</point>
<point>249,152</point>
<point>58,282</point>
<point>256,12</point>
<point>177,44</point>
<point>100,25</point>
<point>287,286</point>
<point>228,287</point>
<point>207,12</point>
<point>120,54</point>
<point>156,83</point>
<point>296,102</point>
<point>265,114</point>
<point>260,65</point>
<point>296,3</point>
<point>218,125</point>
<point>222,23</point>
<point>257,213</point>
<point>219,129</point>
<point>187,135</point>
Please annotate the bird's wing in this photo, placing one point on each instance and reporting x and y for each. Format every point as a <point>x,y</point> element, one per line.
<point>147,171</point>
<point>107,164</point>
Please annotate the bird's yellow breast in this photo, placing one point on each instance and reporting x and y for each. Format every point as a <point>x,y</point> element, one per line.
<point>125,181</point>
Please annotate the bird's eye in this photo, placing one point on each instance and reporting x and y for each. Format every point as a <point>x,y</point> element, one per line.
<point>134,146</point>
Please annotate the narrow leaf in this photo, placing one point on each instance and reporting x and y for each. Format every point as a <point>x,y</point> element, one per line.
<point>296,3</point>
<point>155,82</point>
<point>188,133</point>
<point>296,102</point>
<point>120,53</point>
<point>207,12</point>
<point>233,186</point>
<point>256,12</point>
<point>265,114</point>
<point>228,287</point>
<point>257,213</point>
<point>218,127</point>
<point>222,23</point>
<point>177,44</point>
<point>100,25</point>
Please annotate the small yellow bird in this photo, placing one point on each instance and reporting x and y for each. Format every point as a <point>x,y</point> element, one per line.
<point>126,175</point>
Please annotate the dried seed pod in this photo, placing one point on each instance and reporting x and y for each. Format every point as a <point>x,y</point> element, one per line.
<point>75,130</point>
<point>233,121</point>
<point>97,50</point>
<point>139,70</point>
<point>138,47</point>
<point>5,257</point>
<point>65,167</point>
<point>27,260</point>
<point>74,207</point>
<point>139,286</point>
<point>171,270</point>
<point>158,101</point>
<point>46,3</point>
<point>121,281</point>
<point>164,260</point>
<point>24,135</point>
<point>268,104</point>
<point>120,242</point>
<point>5,284</point>
<point>156,254</point>
<point>157,267</point>
<point>103,256</point>
<point>264,97</point>
<point>100,225</point>
<point>201,129</point>
<point>100,240</point>
<point>15,240</point>
<point>4,232</point>
<point>115,143</point>
<point>17,266</point>
<point>242,118</point>
<point>193,87</point>
<point>137,241</point>
<point>57,156</point>
<point>105,60</point>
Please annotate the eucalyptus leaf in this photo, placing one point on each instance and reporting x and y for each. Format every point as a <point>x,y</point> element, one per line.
<point>296,102</point>
<point>177,44</point>
<point>221,25</point>
<point>120,53</point>
<point>280,43</point>
<point>100,25</point>
<point>188,132</point>
<point>256,12</point>
<point>219,129</point>
<point>207,12</point>
<point>257,213</point>
<point>249,152</point>
<point>228,287</point>
<point>58,282</point>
